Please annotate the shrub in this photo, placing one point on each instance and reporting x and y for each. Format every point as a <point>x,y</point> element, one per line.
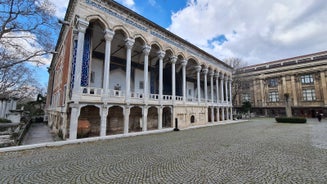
<point>291,120</point>
<point>4,120</point>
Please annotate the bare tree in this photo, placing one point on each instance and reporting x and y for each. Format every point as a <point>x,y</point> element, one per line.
<point>18,82</point>
<point>27,31</point>
<point>237,64</point>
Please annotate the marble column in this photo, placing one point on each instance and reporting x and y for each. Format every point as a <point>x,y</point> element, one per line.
<point>221,88</point>
<point>145,119</point>
<point>231,113</point>
<point>205,72</point>
<point>129,44</point>
<point>173,60</point>
<point>226,88</point>
<point>161,55</point>
<point>146,51</point>
<point>159,117</point>
<point>227,113</point>
<point>184,63</point>
<point>127,111</point>
<point>198,70</point>
<point>212,73</point>
<point>103,126</point>
<point>108,35</point>
<point>81,26</point>
<point>217,89</point>
<point>74,115</point>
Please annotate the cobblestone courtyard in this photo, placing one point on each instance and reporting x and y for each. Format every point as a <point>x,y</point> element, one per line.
<point>258,151</point>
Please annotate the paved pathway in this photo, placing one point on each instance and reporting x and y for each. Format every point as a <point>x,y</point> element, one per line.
<point>258,151</point>
<point>38,133</point>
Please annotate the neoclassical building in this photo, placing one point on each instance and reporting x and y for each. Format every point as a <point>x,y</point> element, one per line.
<point>123,73</point>
<point>302,79</point>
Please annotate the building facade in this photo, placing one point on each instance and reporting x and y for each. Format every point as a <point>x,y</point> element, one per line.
<point>123,73</point>
<point>298,81</point>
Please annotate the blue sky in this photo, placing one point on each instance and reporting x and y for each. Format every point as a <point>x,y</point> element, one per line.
<point>255,31</point>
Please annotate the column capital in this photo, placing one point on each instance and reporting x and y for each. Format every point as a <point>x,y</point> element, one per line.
<point>211,73</point>
<point>82,25</point>
<point>108,34</point>
<point>217,75</point>
<point>161,54</point>
<point>184,62</point>
<point>205,71</point>
<point>129,43</point>
<point>173,59</point>
<point>198,68</point>
<point>221,76</point>
<point>146,49</point>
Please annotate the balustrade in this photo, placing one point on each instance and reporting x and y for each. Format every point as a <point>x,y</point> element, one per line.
<point>92,91</point>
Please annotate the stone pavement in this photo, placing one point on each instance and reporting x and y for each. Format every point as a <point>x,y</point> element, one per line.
<point>38,133</point>
<point>257,151</point>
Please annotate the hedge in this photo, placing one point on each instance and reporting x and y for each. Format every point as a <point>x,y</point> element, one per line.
<point>291,120</point>
<point>4,120</point>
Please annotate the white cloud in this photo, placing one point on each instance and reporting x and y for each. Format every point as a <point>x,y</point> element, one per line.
<point>152,2</point>
<point>61,6</point>
<point>257,31</point>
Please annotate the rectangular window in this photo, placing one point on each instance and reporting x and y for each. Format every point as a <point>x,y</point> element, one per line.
<point>309,94</point>
<point>272,82</point>
<point>307,79</point>
<point>246,97</point>
<point>245,85</point>
<point>273,96</point>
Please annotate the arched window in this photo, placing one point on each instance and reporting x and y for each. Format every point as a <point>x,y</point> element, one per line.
<point>192,119</point>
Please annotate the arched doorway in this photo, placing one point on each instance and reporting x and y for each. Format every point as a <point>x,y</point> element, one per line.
<point>89,122</point>
<point>166,117</point>
<point>115,120</point>
<point>152,118</point>
<point>135,119</point>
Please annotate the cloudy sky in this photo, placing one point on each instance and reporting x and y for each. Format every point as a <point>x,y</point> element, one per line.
<point>255,31</point>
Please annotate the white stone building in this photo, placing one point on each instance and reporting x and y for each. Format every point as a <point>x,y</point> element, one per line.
<point>124,73</point>
<point>6,105</point>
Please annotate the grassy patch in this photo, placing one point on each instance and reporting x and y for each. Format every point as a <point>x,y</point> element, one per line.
<point>4,120</point>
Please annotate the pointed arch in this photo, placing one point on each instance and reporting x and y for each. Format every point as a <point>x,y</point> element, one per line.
<point>157,44</point>
<point>122,29</point>
<point>100,19</point>
<point>194,59</point>
<point>181,55</point>
<point>140,36</point>
<point>169,49</point>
